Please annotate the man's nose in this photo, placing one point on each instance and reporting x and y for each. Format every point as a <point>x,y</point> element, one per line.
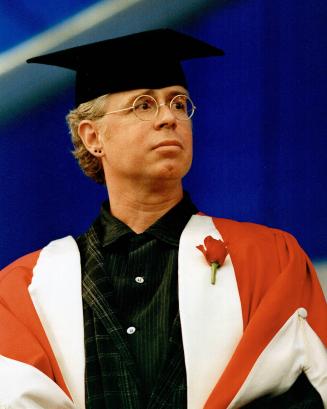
<point>165,117</point>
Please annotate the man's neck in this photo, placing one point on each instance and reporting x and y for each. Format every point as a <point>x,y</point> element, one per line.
<point>140,208</point>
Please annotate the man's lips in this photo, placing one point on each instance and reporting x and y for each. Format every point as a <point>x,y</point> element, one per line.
<point>168,143</point>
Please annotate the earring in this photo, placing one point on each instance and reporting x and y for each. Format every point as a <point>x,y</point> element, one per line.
<point>97,151</point>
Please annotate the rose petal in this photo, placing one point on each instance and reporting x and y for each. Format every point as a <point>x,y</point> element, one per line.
<point>201,248</point>
<point>215,250</point>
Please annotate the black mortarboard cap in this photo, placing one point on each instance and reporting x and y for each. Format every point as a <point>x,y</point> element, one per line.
<point>150,59</point>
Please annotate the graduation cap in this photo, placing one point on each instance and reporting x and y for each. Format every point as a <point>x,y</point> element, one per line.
<point>150,59</point>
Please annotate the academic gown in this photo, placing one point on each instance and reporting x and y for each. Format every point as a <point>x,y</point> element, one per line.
<point>251,334</point>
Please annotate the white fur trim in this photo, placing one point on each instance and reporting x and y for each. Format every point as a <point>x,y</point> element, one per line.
<point>57,296</point>
<point>211,315</point>
<point>24,387</point>
<point>295,348</point>
<point>315,366</point>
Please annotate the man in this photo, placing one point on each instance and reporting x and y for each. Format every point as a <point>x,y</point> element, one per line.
<point>126,316</point>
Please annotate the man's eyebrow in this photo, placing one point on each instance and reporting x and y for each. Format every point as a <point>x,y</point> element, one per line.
<point>172,93</point>
<point>132,97</point>
<point>152,93</point>
<point>177,92</point>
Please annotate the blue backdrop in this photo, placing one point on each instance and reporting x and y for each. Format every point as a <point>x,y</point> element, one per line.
<point>259,134</point>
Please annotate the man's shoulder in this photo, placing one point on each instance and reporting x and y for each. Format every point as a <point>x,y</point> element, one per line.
<point>250,230</point>
<point>261,244</point>
<point>22,268</point>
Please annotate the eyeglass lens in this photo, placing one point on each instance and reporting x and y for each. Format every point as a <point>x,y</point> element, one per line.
<point>146,107</point>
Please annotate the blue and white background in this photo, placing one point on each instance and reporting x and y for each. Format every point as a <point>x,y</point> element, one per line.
<point>260,130</point>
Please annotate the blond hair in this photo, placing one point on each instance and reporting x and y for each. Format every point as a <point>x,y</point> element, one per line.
<point>91,110</point>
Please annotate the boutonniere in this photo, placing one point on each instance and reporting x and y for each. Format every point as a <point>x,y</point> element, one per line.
<point>215,252</point>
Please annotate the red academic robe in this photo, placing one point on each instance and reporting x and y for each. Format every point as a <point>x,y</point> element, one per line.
<point>252,333</point>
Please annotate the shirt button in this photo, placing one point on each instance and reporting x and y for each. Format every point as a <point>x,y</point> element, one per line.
<point>130,330</point>
<point>139,280</point>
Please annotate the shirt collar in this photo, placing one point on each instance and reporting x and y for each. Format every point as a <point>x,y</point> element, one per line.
<point>168,228</point>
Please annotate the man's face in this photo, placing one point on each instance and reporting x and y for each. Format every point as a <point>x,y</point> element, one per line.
<point>143,151</point>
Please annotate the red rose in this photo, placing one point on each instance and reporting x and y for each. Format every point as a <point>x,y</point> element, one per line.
<point>215,252</point>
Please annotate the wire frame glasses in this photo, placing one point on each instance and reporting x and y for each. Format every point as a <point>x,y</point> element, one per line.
<point>146,108</point>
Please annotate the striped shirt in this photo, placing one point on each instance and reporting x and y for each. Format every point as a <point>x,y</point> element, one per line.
<point>134,352</point>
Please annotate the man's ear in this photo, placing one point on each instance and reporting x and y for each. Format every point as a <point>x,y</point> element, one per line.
<point>89,133</point>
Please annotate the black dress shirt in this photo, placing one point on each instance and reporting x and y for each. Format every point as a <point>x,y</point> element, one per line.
<point>134,353</point>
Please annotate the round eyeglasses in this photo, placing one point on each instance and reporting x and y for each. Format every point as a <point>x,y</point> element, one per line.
<point>146,108</point>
